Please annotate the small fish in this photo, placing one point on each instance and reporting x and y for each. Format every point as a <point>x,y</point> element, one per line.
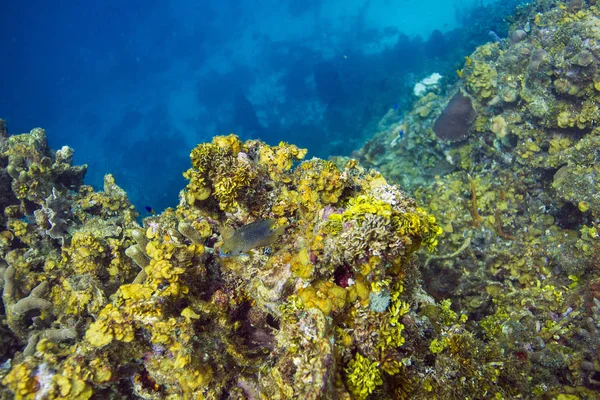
<point>396,106</point>
<point>255,234</point>
<point>400,131</point>
<point>150,210</point>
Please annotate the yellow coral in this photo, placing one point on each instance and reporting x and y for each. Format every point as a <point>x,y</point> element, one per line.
<point>220,169</point>
<point>363,204</point>
<point>198,189</point>
<point>29,382</point>
<point>447,315</point>
<point>68,300</point>
<point>565,119</point>
<point>362,376</point>
<point>358,291</point>
<point>163,271</point>
<point>136,291</point>
<point>21,381</point>
<point>18,227</point>
<point>203,228</point>
<point>231,143</point>
<point>358,207</point>
<point>85,254</point>
<point>110,325</point>
<point>583,206</point>
<point>279,159</point>
<point>324,295</point>
<point>319,183</point>
<point>163,330</point>
<point>418,224</point>
<point>160,251</point>
<point>481,79</point>
<point>301,265</point>
<point>194,379</point>
<point>182,370</point>
<point>227,188</point>
<point>437,346</point>
<point>72,388</point>
<point>391,331</point>
<point>203,154</point>
<point>286,203</point>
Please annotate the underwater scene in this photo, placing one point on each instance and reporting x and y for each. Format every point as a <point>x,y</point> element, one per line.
<point>300,199</point>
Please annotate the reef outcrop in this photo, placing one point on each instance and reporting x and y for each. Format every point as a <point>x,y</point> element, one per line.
<point>517,199</point>
<point>96,304</point>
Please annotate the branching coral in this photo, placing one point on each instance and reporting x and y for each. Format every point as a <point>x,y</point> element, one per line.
<point>16,309</point>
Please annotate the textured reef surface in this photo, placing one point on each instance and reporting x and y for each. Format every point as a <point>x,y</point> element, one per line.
<point>97,305</point>
<point>467,268</point>
<point>507,162</point>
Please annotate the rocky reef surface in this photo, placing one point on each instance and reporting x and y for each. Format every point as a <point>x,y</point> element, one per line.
<point>507,162</point>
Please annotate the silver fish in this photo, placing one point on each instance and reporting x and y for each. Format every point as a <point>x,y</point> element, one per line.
<point>255,234</point>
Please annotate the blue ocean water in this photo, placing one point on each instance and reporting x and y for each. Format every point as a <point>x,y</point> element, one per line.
<point>133,86</point>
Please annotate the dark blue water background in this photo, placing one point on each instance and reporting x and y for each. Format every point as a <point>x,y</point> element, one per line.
<point>133,85</point>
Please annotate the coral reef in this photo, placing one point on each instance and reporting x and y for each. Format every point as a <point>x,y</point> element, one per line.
<point>517,199</point>
<point>62,256</point>
<point>272,278</point>
<point>280,278</point>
